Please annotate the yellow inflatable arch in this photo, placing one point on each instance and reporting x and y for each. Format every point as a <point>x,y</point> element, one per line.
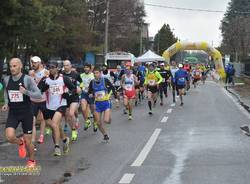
<point>214,53</point>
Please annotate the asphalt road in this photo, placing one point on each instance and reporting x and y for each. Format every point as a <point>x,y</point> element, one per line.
<point>199,143</point>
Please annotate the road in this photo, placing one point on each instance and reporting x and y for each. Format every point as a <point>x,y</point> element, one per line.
<point>199,143</point>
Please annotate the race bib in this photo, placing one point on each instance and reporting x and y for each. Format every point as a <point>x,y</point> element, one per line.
<point>163,80</point>
<point>129,88</point>
<point>151,82</point>
<point>56,89</point>
<point>182,79</point>
<point>100,95</point>
<point>197,73</point>
<point>15,96</point>
<point>117,83</point>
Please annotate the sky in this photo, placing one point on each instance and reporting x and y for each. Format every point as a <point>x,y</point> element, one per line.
<point>188,25</point>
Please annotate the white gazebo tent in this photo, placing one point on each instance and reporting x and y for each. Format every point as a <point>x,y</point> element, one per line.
<point>149,56</point>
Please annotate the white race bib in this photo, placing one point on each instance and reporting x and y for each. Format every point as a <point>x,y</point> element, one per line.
<point>56,89</point>
<point>100,95</point>
<point>151,82</point>
<point>117,83</point>
<point>129,87</point>
<point>15,96</point>
<point>197,73</point>
<point>163,80</point>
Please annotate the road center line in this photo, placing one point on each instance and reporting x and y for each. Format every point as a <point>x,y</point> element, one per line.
<point>169,111</point>
<point>127,178</point>
<point>147,148</point>
<point>164,119</point>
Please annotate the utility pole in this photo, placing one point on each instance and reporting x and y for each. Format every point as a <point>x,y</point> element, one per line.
<point>141,48</point>
<point>106,29</point>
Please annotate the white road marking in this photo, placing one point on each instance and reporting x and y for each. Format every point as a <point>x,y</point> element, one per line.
<point>147,148</point>
<point>127,178</point>
<point>164,119</point>
<point>172,105</point>
<point>169,111</point>
<point>1,180</point>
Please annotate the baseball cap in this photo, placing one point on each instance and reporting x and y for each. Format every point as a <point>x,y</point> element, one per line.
<point>162,64</point>
<point>180,65</point>
<point>36,59</point>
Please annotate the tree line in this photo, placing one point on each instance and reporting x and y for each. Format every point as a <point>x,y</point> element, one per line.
<point>67,28</point>
<point>235,28</point>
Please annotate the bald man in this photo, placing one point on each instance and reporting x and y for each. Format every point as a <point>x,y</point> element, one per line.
<point>73,99</point>
<point>19,88</point>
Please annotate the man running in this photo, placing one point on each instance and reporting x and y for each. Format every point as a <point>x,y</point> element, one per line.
<point>139,84</point>
<point>163,88</point>
<point>152,81</point>
<point>129,81</point>
<point>73,99</point>
<point>87,103</point>
<point>117,83</point>
<point>173,70</point>
<point>108,74</point>
<point>38,105</point>
<point>196,75</point>
<point>18,90</point>
<point>181,78</point>
<point>101,88</point>
<point>57,88</point>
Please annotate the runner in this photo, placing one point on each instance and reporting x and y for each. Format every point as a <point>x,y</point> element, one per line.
<point>108,74</point>
<point>101,88</point>
<point>38,105</point>
<point>129,81</point>
<point>139,84</point>
<point>87,103</point>
<point>196,75</point>
<point>152,81</point>
<point>57,88</point>
<point>181,78</point>
<point>72,100</point>
<point>166,75</point>
<point>18,90</point>
<point>173,70</point>
<point>143,71</point>
<point>117,83</point>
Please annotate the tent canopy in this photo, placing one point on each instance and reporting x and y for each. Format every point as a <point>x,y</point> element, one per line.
<point>149,56</point>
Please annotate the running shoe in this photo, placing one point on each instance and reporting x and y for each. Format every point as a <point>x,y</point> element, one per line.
<point>74,135</point>
<point>95,127</point>
<point>57,151</point>
<point>87,124</point>
<point>130,117</point>
<point>66,145</point>
<point>182,103</point>
<point>124,111</point>
<point>31,163</point>
<point>41,139</point>
<point>161,104</point>
<point>47,131</point>
<point>106,138</point>
<point>22,149</point>
<point>35,148</point>
<point>150,112</point>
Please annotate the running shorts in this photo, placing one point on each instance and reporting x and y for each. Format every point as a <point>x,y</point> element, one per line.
<point>24,116</point>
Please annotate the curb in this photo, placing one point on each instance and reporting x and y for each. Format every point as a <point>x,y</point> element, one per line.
<point>246,107</point>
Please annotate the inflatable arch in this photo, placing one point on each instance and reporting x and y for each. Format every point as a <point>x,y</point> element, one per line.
<point>214,53</point>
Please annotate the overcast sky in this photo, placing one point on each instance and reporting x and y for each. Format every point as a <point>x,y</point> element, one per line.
<point>188,25</point>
